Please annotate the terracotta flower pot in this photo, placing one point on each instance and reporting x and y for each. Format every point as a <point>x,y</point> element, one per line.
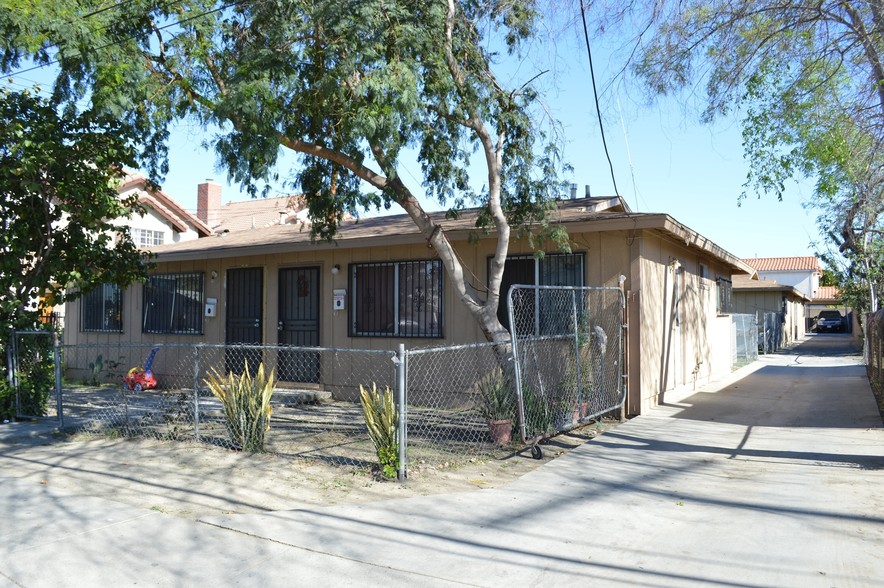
<point>580,411</point>
<point>501,431</point>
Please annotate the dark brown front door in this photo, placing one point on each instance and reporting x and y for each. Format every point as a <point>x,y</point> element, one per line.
<point>299,323</point>
<point>245,295</point>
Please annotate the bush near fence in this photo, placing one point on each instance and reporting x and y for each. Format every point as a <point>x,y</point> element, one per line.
<point>28,376</point>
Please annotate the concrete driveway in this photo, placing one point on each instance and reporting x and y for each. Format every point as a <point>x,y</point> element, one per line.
<point>773,478</point>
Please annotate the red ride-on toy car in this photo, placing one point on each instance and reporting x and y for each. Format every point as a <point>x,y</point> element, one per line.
<point>142,378</point>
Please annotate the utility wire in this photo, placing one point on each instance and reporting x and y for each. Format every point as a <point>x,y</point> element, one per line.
<point>596,97</point>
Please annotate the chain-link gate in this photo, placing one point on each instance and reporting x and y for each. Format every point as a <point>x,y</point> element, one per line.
<point>744,340</point>
<point>567,346</point>
<point>33,374</point>
<point>772,334</point>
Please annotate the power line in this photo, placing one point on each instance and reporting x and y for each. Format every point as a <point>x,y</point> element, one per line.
<point>596,97</point>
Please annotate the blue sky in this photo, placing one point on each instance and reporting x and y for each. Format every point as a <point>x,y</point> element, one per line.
<point>694,173</point>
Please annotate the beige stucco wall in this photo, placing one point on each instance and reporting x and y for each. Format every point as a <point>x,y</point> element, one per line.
<point>684,342</point>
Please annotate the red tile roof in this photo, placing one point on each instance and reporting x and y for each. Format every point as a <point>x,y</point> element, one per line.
<point>784,264</point>
<point>827,293</point>
<point>163,204</point>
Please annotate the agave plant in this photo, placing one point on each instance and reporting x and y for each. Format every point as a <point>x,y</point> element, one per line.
<point>497,398</point>
<point>246,402</point>
<point>382,422</point>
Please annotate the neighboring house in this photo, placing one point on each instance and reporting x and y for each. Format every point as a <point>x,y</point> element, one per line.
<point>273,285</point>
<point>829,298</point>
<point>763,297</point>
<point>164,221</point>
<point>801,272</point>
<point>826,298</point>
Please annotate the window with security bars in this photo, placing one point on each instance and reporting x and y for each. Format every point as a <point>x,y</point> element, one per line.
<point>147,237</point>
<point>396,299</point>
<point>102,309</point>
<point>173,303</point>
<point>725,296</point>
<point>553,269</point>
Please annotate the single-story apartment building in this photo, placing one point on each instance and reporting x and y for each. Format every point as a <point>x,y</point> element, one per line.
<point>274,285</point>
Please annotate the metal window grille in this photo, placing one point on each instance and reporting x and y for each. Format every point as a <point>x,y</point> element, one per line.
<point>173,303</point>
<point>725,295</point>
<point>102,309</point>
<point>397,299</point>
<point>554,269</point>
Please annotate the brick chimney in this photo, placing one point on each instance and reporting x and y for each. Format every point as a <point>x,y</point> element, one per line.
<point>208,202</point>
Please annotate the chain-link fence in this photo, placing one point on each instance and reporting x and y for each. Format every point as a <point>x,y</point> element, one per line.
<point>317,418</point>
<point>744,336</point>
<point>448,409</point>
<point>566,348</point>
<point>450,397</point>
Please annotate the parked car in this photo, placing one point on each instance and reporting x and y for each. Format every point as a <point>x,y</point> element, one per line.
<point>829,321</point>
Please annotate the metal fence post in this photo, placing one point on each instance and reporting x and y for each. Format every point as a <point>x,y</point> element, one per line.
<point>10,366</point>
<point>577,358</point>
<point>56,360</point>
<point>13,373</point>
<point>196,393</point>
<point>401,382</point>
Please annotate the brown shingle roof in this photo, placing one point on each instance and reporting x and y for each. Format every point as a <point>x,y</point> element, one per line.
<point>784,264</point>
<point>257,213</point>
<point>584,215</point>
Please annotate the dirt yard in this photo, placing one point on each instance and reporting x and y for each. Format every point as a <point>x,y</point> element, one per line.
<point>189,480</point>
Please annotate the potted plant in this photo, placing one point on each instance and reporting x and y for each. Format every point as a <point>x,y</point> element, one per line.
<point>497,403</point>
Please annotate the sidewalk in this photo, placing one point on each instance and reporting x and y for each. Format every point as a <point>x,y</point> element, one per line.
<point>773,480</point>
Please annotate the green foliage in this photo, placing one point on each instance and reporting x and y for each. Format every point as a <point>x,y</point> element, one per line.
<point>7,399</point>
<point>246,402</point>
<point>95,368</point>
<point>497,398</point>
<point>829,278</point>
<point>382,422</point>
<point>58,177</point>
<point>35,378</point>
<point>539,415</point>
